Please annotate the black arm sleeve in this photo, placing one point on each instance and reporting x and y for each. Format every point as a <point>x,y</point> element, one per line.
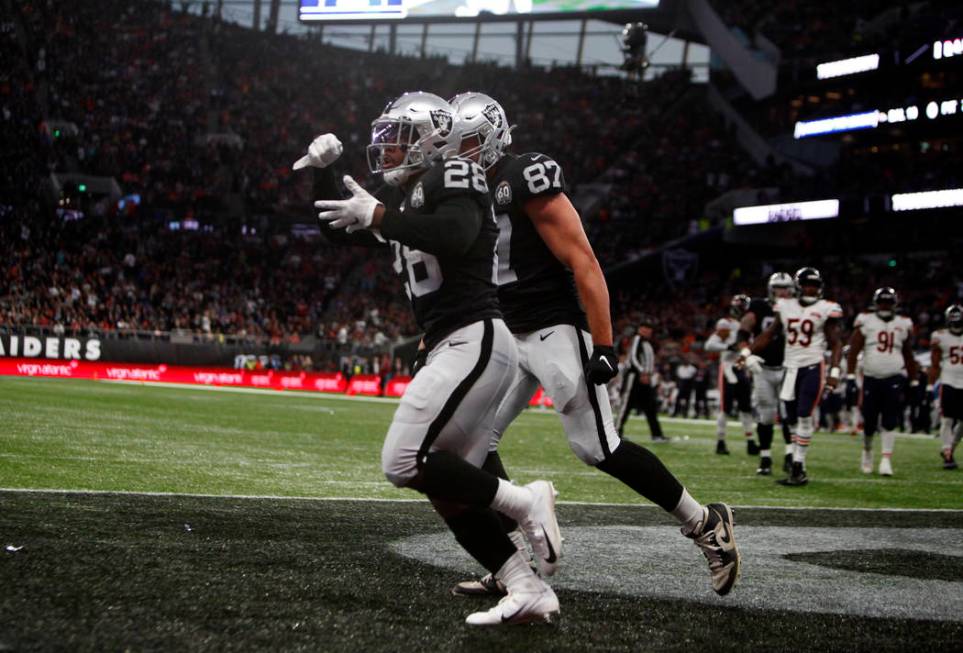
<point>449,231</point>
<point>328,187</point>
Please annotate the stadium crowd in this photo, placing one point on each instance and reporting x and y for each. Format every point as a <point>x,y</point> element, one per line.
<point>201,120</point>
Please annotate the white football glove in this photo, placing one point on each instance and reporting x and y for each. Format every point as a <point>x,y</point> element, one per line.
<point>754,364</point>
<point>352,214</point>
<point>322,152</point>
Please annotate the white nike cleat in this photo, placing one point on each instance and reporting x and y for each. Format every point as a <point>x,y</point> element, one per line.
<point>867,464</point>
<point>541,527</point>
<point>718,543</point>
<point>539,605</point>
<point>885,466</point>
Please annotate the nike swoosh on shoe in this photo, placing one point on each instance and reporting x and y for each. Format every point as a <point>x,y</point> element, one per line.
<point>552,558</point>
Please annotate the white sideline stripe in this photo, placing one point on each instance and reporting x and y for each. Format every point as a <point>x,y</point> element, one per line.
<point>254,391</point>
<point>383,500</point>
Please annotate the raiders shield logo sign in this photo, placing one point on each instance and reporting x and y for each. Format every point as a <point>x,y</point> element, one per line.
<point>442,121</point>
<point>417,197</point>
<point>493,115</point>
<point>503,194</point>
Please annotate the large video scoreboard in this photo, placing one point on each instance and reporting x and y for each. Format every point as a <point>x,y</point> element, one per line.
<point>346,10</point>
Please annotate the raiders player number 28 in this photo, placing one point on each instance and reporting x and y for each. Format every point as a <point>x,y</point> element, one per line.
<point>435,213</point>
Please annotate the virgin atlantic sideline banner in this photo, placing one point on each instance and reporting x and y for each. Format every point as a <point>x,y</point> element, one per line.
<point>74,369</point>
<point>335,382</point>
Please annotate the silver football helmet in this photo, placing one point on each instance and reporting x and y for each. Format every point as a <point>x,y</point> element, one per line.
<point>483,118</point>
<point>779,280</point>
<point>422,126</point>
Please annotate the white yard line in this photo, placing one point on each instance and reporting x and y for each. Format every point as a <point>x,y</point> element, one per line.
<point>382,500</point>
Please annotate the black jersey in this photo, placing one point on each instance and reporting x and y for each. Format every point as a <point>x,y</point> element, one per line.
<point>772,355</point>
<point>447,290</point>
<point>534,289</point>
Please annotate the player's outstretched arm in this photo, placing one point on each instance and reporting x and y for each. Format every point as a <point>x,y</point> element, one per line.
<point>449,231</point>
<point>936,357</point>
<point>912,368</point>
<point>746,325</point>
<point>717,341</point>
<point>856,342</point>
<point>834,339</point>
<point>559,225</point>
<point>760,343</point>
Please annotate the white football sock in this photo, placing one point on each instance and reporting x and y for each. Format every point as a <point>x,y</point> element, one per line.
<point>518,539</point>
<point>867,442</point>
<point>517,574</point>
<point>889,441</point>
<point>804,435</point>
<point>946,433</point>
<point>512,500</point>
<point>765,453</point>
<point>721,425</point>
<point>747,424</point>
<point>689,512</point>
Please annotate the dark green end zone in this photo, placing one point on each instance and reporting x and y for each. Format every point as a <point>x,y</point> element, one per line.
<point>112,572</point>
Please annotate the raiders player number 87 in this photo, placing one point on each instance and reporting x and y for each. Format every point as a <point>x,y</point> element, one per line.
<point>553,294</point>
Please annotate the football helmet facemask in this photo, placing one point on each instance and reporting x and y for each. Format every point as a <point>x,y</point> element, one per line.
<point>884,303</point>
<point>779,280</point>
<point>422,125</point>
<point>809,278</point>
<point>954,319</point>
<point>739,305</point>
<point>483,118</point>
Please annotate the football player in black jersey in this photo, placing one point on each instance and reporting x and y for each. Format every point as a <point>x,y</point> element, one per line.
<point>435,214</point>
<point>556,302</point>
<point>766,368</point>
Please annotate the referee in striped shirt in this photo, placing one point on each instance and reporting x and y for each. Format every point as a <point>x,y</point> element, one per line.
<point>638,393</point>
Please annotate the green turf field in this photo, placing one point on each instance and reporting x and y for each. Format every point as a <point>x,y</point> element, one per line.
<point>147,571</point>
<point>121,437</point>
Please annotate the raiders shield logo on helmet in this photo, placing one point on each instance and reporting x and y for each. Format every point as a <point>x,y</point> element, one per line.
<point>442,121</point>
<point>417,196</point>
<point>493,115</point>
<point>503,194</point>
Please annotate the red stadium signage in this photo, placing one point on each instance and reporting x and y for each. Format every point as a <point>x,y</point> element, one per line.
<point>365,384</point>
<point>540,399</point>
<point>333,382</point>
<point>362,384</point>
<point>397,386</point>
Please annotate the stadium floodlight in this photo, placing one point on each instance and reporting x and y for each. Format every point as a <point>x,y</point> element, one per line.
<point>851,66</point>
<point>849,122</point>
<point>788,212</point>
<point>633,40</point>
<point>948,48</point>
<point>934,199</point>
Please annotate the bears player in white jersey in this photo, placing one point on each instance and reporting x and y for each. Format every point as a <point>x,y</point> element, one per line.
<point>434,213</point>
<point>811,324</point>
<point>733,379</point>
<point>556,303</point>
<point>947,365</point>
<point>883,337</point>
